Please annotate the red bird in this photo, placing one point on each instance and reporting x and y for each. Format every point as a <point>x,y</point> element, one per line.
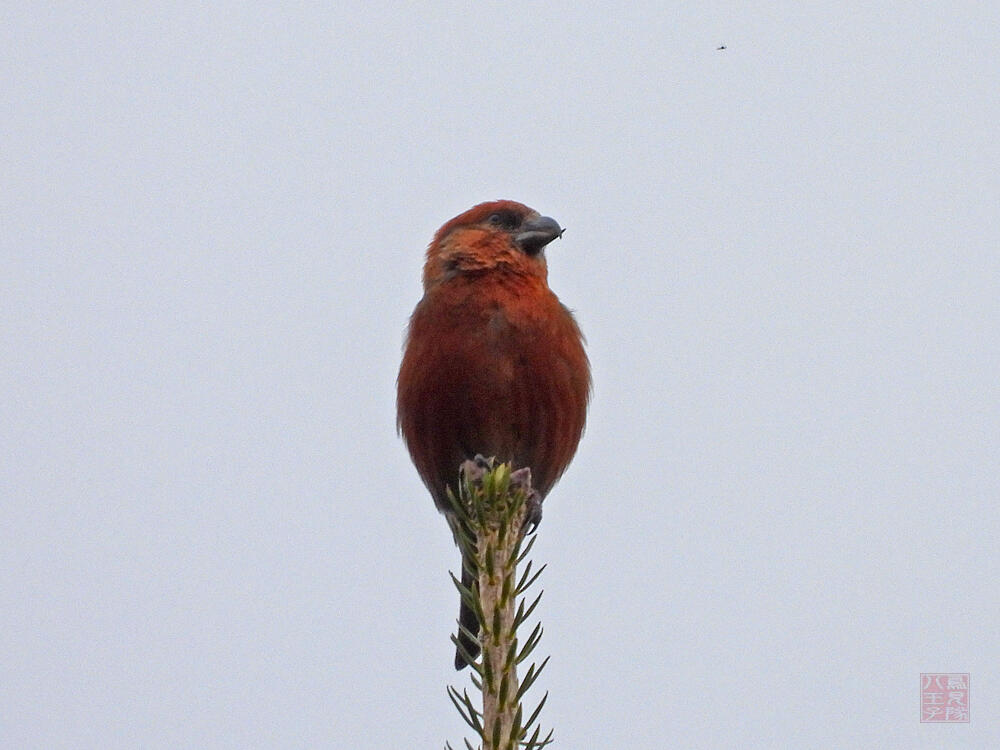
<point>494,363</point>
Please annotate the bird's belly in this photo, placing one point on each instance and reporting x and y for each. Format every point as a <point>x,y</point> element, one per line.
<point>486,386</point>
<point>513,395</point>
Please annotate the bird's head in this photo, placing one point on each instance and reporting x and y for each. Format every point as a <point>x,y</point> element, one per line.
<point>500,235</point>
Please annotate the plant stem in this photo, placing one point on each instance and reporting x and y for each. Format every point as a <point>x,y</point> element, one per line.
<point>497,581</point>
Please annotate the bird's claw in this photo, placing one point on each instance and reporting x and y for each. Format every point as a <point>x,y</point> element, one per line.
<point>533,516</point>
<point>521,479</point>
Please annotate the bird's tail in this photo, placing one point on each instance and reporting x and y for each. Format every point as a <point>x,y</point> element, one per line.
<point>468,620</point>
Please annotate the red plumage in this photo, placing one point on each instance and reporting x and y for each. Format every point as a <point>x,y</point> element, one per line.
<point>494,364</point>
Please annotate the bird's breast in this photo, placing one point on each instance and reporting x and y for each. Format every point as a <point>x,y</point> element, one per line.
<point>494,371</point>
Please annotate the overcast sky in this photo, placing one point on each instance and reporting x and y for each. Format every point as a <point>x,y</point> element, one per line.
<point>784,256</point>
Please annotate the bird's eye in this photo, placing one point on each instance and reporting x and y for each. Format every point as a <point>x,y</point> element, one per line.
<point>504,220</point>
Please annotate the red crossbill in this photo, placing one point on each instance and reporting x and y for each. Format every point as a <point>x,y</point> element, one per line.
<point>493,364</point>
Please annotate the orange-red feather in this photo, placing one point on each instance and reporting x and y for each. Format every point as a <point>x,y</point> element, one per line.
<point>494,364</point>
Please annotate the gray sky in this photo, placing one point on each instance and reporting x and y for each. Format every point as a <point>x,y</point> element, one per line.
<point>784,256</point>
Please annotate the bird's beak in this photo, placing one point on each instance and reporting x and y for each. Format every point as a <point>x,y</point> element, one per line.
<point>536,233</point>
